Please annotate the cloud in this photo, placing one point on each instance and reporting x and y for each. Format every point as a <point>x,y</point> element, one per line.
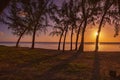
<point>1,33</point>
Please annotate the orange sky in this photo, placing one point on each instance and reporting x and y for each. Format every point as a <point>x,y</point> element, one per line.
<point>107,35</point>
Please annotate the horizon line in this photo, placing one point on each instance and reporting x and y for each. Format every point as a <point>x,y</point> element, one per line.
<point>51,42</point>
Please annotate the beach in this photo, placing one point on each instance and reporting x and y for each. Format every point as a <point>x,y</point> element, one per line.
<point>45,64</point>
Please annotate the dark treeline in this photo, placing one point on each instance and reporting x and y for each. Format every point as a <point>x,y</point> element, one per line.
<point>71,19</point>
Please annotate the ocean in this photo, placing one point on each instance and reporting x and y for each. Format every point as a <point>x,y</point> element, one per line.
<point>90,46</point>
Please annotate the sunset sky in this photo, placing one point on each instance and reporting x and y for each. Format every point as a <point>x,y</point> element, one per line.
<point>107,34</point>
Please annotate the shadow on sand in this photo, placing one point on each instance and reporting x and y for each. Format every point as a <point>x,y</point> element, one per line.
<point>49,75</point>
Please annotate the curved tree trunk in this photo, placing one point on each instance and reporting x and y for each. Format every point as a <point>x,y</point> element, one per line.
<point>97,38</point>
<point>71,39</point>
<point>99,30</point>
<point>60,40</point>
<point>17,43</point>
<point>81,47</point>
<point>100,26</point>
<point>64,40</point>
<point>33,39</point>
<point>77,37</point>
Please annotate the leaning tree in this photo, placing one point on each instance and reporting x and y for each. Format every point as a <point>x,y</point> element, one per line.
<point>104,17</point>
<point>15,19</point>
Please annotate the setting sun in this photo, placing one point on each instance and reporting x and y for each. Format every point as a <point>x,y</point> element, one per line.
<point>96,33</point>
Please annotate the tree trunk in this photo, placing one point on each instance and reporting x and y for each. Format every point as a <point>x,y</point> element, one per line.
<point>81,47</point>
<point>64,40</point>
<point>33,39</point>
<point>100,26</point>
<point>77,37</point>
<point>71,38</point>
<point>17,44</point>
<point>97,37</point>
<point>60,40</point>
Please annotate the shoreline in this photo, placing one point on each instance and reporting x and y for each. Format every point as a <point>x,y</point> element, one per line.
<point>60,50</point>
<point>66,42</point>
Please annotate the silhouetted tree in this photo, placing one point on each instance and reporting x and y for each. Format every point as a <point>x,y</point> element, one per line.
<point>104,15</point>
<point>106,5</point>
<point>65,35</point>
<point>37,12</point>
<point>15,20</point>
<point>59,31</point>
<point>73,8</point>
<point>57,15</point>
<point>88,9</point>
<point>70,10</point>
<point>65,20</point>
<point>78,34</point>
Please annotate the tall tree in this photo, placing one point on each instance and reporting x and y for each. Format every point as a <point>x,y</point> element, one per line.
<point>65,20</point>
<point>70,10</point>
<point>73,8</point>
<point>88,9</point>
<point>104,16</point>
<point>104,11</point>
<point>58,16</point>
<point>37,11</point>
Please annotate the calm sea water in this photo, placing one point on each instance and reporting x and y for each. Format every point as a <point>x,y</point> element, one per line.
<point>54,45</point>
